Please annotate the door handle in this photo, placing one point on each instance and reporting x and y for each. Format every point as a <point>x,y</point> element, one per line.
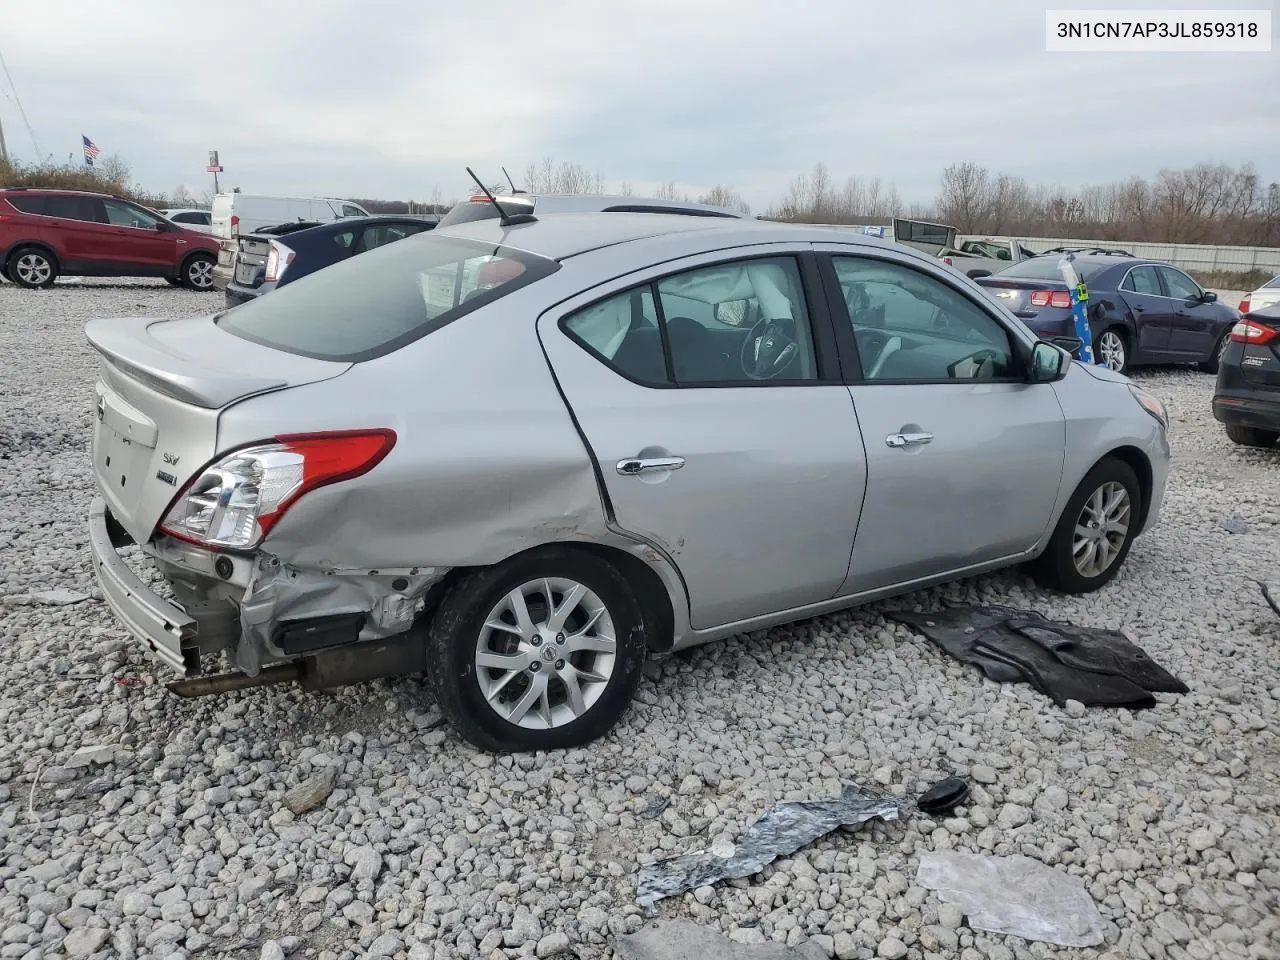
<point>634,466</point>
<point>907,439</point>
<point>1140,308</point>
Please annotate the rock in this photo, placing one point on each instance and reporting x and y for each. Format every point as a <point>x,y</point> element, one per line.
<point>100,753</point>
<point>982,773</point>
<point>685,940</point>
<point>386,945</point>
<point>1013,815</point>
<point>846,948</point>
<point>312,792</point>
<point>1075,709</point>
<point>552,944</point>
<point>85,941</point>
<point>1202,839</point>
<point>365,863</point>
<point>950,916</point>
<point>272,950</point>
<point>891,948</point>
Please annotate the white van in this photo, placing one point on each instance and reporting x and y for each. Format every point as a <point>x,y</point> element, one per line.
<point>237,213</point>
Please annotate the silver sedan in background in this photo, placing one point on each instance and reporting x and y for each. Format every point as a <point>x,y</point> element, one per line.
<point>523,453</point>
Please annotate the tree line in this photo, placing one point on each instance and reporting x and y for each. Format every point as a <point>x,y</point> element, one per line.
<point>1206,203</point>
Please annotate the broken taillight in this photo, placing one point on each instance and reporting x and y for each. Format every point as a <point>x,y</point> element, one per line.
<point>235,501</point>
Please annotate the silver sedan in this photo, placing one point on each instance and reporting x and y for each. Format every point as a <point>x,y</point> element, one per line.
<point>523,454</point>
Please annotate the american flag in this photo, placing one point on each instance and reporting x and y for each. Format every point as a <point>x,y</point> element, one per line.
<point>90,151</point>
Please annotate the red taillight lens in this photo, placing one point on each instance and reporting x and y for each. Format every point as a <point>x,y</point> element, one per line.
<point>235,501</point>
<point>1244,305</point>
<point>278,259</point>
<point>478,198</point>
<point>948,262</point>
<point>1250,331</point>
<point>1051,298</point>
<point>235,224</point>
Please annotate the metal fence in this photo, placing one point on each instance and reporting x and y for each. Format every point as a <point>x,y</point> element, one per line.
<point>1187,256</point>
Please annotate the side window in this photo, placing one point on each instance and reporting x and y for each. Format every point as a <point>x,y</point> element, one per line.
<point>706,312</point>
<point>910,326</point>
<point>186,218</point>
<point>127,215</point>
<point>345,239</point>
<point>34,205</point>
<point>623,332</point>
<point>1142,280</point>
<point>75,208</point>
<point>383,234</point>
<point>350,210</point>
<point>1180,286</point>
<point>742,322</point>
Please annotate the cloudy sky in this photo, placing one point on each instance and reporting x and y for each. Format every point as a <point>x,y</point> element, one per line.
<point>391,98</point>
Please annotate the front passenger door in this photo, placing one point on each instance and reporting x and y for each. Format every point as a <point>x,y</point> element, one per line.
<point>1192,324</point>
<point>1151,310</point>
<point>964,457</point>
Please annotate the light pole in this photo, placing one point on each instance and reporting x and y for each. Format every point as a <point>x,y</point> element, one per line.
<point>215,168</point>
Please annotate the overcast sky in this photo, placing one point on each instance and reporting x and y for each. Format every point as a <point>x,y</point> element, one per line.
<point>391,98</point>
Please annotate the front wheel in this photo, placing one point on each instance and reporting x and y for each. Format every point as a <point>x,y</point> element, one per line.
<point>1251,436</point>
<point>1112,350</point>
<point>197,272</point>
<point>1095,531</point>
<point>539,653</point>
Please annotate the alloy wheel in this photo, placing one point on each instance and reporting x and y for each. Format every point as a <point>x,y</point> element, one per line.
<point>200,274</point>
<point>33,269</point>
<point>1111,349</point>
<point>546,653</point>
<point>1101,529</point>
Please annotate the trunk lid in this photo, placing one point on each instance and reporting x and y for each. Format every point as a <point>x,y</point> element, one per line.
<point>1016,294</point>
<point>160,389</point>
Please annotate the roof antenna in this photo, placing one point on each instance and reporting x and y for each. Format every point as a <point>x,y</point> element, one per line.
<point>504,218</point>
<point>514,188</point>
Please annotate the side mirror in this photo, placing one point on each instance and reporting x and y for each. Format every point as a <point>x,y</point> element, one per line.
<point>1048,362</point>
<point>977,272</point>
<point>1209,296</point>
<point>731,313</point>
<point>163,226</point>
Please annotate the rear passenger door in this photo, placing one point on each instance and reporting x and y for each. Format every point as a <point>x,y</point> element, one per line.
<point>964,457</point>
<point>79,232</point>
<point>1151,310</point>
<point>747,473</point>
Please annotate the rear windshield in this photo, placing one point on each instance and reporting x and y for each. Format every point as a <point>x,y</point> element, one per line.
<point>377,302</point>
<point>1272,283</point>
<point>1046,268</point>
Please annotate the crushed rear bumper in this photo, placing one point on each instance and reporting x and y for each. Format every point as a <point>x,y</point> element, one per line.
<point>166,630</point>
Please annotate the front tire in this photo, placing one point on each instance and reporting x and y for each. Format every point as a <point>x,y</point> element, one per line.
<point>1251,436</point>
<point>197,272</point>
<point>1095,531</point>
<point>1113,350</point>
<point>33,268</point>
<point>539,653</point>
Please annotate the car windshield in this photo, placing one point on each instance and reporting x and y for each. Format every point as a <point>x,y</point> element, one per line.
<point>1046,268</point>
<point>376,303</point>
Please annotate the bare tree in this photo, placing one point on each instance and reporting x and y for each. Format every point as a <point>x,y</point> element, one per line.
<point>669,191</point>
<point>727,197</point>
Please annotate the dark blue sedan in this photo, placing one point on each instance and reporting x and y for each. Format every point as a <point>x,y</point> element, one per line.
<point>281,254</point>
<point>1140,311</point>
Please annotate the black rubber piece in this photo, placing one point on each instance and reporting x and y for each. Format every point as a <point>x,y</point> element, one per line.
<point>944,796</point>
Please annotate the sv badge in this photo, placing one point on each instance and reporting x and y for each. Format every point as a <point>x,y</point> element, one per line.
<point>171,459</point>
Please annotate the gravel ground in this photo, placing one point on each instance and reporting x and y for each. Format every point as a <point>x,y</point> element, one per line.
<point>180,843</point>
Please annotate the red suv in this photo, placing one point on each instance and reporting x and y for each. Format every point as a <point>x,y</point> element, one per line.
<point>45,233</point>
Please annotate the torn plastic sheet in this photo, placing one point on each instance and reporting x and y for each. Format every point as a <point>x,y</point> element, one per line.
<point>278,591</point>
<point>1097,667</point>
<point>781,831</point>
<point>1014,895</point>
<point>1272,602</point>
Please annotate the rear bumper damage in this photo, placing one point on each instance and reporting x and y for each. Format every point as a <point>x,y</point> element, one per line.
<point>333,625</point>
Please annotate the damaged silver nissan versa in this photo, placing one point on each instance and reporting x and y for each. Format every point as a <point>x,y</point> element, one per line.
<point>522,454</point>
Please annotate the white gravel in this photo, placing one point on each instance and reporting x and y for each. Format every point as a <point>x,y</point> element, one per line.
<point>171,837</point>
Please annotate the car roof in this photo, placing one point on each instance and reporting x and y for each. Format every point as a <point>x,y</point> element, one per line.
<point>55,190</point>
<point>558,236</point>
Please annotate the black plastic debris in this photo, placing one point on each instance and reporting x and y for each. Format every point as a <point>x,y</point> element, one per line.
<point>1099,668</point>
<point>781,831</point>
<point>1266,595</point>
<point>944,796</point>
<point>654,810</point>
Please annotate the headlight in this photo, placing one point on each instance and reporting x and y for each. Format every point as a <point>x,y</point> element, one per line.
<point>1151,405</point>
<point>236,500</point>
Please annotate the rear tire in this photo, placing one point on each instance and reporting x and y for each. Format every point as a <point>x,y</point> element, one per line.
<point>1112,348</point>
<point>1251,436</point>
<point>520,699</point>
<point>197,272</point>
<point>1215,358</point>
<point>1087,548</point>
<point>33,268</point>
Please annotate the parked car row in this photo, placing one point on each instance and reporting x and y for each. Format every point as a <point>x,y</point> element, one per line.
<point>524,449</point>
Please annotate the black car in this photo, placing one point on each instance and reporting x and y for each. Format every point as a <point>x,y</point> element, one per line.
<point>1140,311</point>
<point>282,254</point>
<point>1246,398</point>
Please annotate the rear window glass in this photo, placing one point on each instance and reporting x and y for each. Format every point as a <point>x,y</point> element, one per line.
<point>369,306</point>
<point>1046,268</point>
<point>1272,283</point>
<point>28,204</point>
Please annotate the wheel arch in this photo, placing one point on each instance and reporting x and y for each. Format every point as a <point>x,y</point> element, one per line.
<point>651,592</point>
<point>1138,462</point>
<point>31,245</point>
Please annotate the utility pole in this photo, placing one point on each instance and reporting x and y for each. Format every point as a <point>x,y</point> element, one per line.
<point>4,154</point>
